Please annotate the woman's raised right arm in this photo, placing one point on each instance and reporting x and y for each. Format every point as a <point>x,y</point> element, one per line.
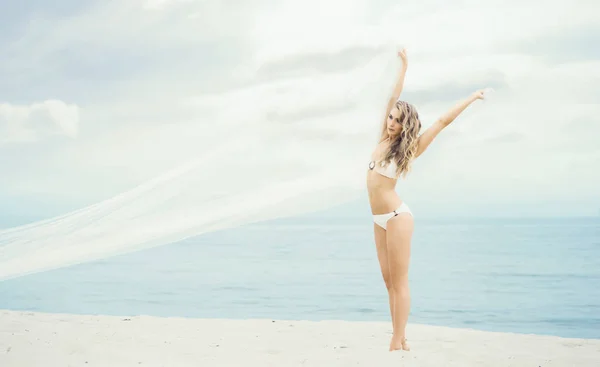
<point>396,92</point>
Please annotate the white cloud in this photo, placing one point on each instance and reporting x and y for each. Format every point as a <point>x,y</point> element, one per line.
<point>27,123</point>
<point>281,58</point>
<point>164,4</point>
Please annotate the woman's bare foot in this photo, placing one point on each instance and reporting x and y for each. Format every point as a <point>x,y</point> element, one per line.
<point>399,344</point>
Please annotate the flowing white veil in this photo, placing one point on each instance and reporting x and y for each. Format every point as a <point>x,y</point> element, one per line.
<point>266,163</point>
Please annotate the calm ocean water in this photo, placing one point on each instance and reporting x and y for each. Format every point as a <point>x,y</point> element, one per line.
<point>537,276</point>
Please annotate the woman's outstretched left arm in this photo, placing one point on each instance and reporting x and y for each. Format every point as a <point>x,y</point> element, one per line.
<point>427,137</point>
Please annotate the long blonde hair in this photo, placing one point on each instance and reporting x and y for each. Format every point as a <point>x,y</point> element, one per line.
<point>403,147</point>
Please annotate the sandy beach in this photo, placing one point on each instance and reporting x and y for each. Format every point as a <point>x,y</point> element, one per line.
<point>40,339</point>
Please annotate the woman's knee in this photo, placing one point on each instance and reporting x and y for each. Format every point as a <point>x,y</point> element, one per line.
<point>388,284</point>
<point>399,285</point>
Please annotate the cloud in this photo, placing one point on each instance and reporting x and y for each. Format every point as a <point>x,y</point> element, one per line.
<point>164,4</point>
<point>574,45</point>
<point>314,63</point>
<point>29,123</point>
<point>64,57</point>
<point>165,72</point>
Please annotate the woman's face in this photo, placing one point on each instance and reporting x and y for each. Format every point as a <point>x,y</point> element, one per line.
<point>394,126</point>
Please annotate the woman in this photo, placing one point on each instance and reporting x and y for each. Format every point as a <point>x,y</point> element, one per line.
<point>393,220</point>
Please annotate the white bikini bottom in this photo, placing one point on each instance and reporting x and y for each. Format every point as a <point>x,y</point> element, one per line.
<point>382,219</point>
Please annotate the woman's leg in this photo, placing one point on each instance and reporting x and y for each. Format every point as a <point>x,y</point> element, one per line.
<point>399,234</point>
<point>381,243</point>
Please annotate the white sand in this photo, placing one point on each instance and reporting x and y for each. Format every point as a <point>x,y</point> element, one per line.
<point>48,340</point>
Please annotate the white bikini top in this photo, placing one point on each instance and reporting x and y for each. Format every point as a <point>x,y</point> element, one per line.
<point>387,171</point>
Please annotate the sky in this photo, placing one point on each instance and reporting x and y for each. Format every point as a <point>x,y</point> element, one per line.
<point>99,96</point>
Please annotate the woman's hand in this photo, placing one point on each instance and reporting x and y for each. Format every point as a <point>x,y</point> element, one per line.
<point>480,94</point>
<point>403,56</point>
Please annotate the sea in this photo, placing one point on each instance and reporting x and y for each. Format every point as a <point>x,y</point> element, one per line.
<point>520,275</point>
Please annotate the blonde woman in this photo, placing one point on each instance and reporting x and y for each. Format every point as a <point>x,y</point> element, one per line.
<point>399,145</point>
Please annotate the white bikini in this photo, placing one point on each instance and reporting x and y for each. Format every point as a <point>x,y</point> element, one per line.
<point>387,171</point>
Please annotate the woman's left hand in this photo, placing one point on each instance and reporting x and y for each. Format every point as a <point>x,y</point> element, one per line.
<point>403,56</point>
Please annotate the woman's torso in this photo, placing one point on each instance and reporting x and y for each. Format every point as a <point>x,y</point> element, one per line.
<point>382,190</point>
